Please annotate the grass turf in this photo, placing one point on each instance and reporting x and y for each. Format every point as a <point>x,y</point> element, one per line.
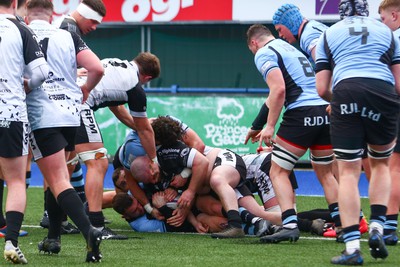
<point>171,249</point>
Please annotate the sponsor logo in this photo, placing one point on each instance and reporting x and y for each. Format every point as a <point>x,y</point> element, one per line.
<point>316,120</point>
<point>364,111</point>
<point>57,97</point>
<point>88,118</point>
<point>5,124</point>
<point>228,130</point>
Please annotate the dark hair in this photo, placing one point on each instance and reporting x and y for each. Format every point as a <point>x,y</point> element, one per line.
<point>166,130</point>
<point>148,64</point>
<point>121,202</point>
<point>96,5</point>
<point>115,177</point>
<point>6,3</point>
<point>45,4</point>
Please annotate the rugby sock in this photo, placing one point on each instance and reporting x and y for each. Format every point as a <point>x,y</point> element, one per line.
<point>96,219</point>
<point>72,205</point>
<point>14,221</point>
<point>2,219</point>
<point>390,224</point>
<point>55,214</point>
<point>377,217</point>
<point>351,236</point>
<point>28,175</point>
<point>247,217</point>
<point>234,219</point>
<point>289,219</point>
<point>334,211</point>
<point>78,182</point>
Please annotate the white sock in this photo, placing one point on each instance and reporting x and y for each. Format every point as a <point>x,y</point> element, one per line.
<point>352,246</point>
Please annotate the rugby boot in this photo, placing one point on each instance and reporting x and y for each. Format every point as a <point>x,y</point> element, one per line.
<point>391,239</point>
<point>229,232</point>
<point>377,246</point>
<point>284,234</point>
<point>348,259</point>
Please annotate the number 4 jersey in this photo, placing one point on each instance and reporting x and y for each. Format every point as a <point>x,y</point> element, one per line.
<point>361,36</point>
<point>297,72</point>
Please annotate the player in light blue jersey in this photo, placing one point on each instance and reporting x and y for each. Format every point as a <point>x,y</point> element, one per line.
<point>389,11</point>
<point>360,57</point>
<point>305,124</point>
<point>292,27</point>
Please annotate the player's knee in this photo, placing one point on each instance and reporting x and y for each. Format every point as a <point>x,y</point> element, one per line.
<point>375,154</point>
<point>96,154</point>
<point>322,160</point>
<point>348,154</point>
<point>283,158</point>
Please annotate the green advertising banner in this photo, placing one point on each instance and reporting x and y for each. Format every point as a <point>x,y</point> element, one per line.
<point>221,121</point>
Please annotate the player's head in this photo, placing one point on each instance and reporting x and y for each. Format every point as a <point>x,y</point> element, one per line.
<point>39,9</point>
<point>349,8</point>
<point>119,180</point>
<point>389,11</point>
<point>89,14</point>
<point>167,131</point>
<point>287,20</point>
<point>142,171</point>
<point>149,66</point>
<point>256,36</point>
<point>6,3</point>
<point>127,206</point>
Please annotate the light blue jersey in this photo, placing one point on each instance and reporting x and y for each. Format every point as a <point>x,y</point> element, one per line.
<point>310,34</point>
<point>131,149</point>
<point>296,69</point>
<point>341,45</point>
<point>143,225</point>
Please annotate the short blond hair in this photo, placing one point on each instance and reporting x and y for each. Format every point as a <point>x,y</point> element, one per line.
<point>385,4</point>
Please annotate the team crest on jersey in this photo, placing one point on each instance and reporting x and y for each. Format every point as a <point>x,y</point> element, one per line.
<point>184,152</point>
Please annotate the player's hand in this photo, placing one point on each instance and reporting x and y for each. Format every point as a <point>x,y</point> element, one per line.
<point>329,109</point>
<point>178,217</point>
<point>253,135</point>
<point>170,194</point>
<point>201,228</point>
<point>266,136</point>
<point>158,199</point>
<point>157,214</point>
<point>186,199</point>
<point>177,181</point>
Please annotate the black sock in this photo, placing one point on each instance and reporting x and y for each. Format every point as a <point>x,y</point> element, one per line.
<point>55,214</point>
<point>28,175</point>
<point>246,216</point>
<point>14,221</point>
<point>234,219</point>
<point>73,207</point>
<point>2,219</point>
<point>96,218</point>
<point>378,213</point>
<point>334,210</point>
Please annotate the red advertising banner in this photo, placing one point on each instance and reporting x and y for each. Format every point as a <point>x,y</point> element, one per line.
<point>157,10</point>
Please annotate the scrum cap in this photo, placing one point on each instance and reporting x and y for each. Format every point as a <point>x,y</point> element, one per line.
<point>289,16</point>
